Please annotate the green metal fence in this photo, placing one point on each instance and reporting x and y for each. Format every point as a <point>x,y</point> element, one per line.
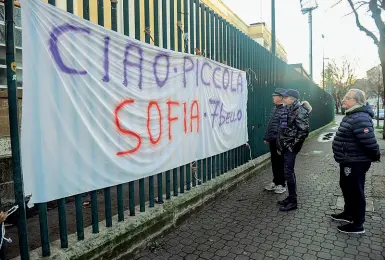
<point>216,39</point>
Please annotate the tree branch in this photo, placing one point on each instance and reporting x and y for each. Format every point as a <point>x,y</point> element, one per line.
<point>362,28</point>
<point>376,15</point>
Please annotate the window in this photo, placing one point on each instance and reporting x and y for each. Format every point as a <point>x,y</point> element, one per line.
<point>18,45</point>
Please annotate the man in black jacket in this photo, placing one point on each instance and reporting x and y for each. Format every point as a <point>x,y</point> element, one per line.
<point>278,184</point>
<point>355,148</point>
<point>294,129</point>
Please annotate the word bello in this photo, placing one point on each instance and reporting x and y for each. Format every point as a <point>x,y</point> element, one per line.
<point>225,117</point>
<point>205,72</point>
<point>188,121</point>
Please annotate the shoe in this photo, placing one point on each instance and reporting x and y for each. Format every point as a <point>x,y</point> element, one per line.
<point>283,202</point>
<point>292,205</point>
<point>342,217</point>
<point>351,229</point>
<point>270,187</point>
<point>279,189</point>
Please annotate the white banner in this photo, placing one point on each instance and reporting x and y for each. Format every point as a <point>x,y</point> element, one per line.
<point>101,109</point>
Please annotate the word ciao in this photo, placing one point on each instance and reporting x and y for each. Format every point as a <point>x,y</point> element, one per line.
<point>188,120</point>
<point>204,72</point>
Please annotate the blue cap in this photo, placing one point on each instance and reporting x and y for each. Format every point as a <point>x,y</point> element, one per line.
<point>291,93</point>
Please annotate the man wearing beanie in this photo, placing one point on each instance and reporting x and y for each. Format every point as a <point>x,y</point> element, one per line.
<point>278,183</point>
<point>293,131</point>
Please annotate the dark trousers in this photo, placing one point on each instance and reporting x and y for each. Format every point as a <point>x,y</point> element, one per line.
<point>277,165</point>
<point>3,251</point>
<point>288,165</point>
<point>352,183</point>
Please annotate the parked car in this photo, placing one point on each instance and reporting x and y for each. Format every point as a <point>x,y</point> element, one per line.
<point>380,114</point>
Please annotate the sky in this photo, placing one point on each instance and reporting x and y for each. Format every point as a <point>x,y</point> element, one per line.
<point>342,37</point>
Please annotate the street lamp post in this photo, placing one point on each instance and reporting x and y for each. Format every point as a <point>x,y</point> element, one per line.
<point>307,7</point>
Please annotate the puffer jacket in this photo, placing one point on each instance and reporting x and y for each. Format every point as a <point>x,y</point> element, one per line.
<point>294,126</point>
<point>271,133</point>
<point>355,140</point>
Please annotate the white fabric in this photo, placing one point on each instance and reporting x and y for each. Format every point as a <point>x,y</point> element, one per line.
<point>85,90</point>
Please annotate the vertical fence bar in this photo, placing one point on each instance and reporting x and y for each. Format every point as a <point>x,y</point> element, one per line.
<point>94,212</point>
<point>79,217</point>
<point>208,45</point>
<point>191,33</point>
<point>209,167</point>
<point>52,2</point>
<point>172,25</point>
<point>194,170</point>
<point>204,170</point>
<point>61,206</point>
<point>156,22</point>
<point>179,23</point>
<point>216,38</point>
<point>203,33</point>
<point>126,18</point>
<point>46,251</point>
<point>214,166</point>
<point>160,188</point>
<point>197,31</point>
<point>119,194</point>
<point>221,41</point>
<point>151,192</point>
<point>107,208</point>
<point>14,130</point>
<point>107,191</point>
<point>70,6</point>
<point>186,24</point>
<point>137,19</point>
<point>131,198</point>
<point>181,178</point>
<point>142,199</point>
<point>147,20</point>
<point>164,24</point>
<point>148,40</point>
<point>175,181</point>
<point>94,194</point>
<point>168,185</point>
<point>199,170</point>
<point>188,177</point>
<point>212,29</point>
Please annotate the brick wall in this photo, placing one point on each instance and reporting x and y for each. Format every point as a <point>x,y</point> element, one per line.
<point>6,180</point>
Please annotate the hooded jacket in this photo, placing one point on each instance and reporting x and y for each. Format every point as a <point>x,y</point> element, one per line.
<point>294,126</point>
<point>355,140</point>
<point>271,132</point>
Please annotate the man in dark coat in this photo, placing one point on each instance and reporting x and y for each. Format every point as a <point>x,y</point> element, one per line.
<point>355,148</point>
<point>278,184</point>
<point>293,131</point>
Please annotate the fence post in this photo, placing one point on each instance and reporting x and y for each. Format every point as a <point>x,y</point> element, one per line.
<point>14,129</point>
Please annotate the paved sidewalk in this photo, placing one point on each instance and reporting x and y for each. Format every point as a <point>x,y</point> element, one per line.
<point>246,224</point>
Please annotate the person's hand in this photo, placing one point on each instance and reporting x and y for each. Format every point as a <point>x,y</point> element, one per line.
<point>278,152</point>
<point>3,216</point>
<point>265,142</point>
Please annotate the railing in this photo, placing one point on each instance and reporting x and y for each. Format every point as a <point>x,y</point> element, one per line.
<point>203,32</point>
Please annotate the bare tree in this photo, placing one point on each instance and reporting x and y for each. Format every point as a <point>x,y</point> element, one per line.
<point>375,8</point>
<point>342,77</point>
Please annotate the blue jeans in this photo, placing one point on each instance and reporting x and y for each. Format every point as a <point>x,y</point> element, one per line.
<point>288,165</point>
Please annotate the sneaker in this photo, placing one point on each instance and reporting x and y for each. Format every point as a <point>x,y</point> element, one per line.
<point>279,189</point>
<point>270,187</point>
<point>292,205</point>
<point>342,217</point>
<point>283,202</point>
<point>351,229</point>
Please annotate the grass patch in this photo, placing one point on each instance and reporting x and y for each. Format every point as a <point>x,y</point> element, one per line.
<point>380,127</point>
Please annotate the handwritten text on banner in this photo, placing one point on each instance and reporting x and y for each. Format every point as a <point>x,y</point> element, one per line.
<point>101,109</point>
